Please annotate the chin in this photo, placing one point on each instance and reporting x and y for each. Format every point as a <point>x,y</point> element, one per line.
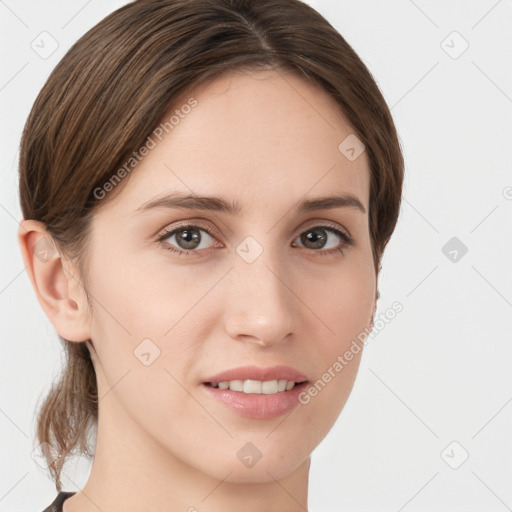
<point>256,458</point>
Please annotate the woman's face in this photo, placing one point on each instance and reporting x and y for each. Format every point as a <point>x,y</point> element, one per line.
<point>268,284</point>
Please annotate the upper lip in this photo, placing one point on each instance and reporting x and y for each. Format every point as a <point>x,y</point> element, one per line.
<point>278,372</point>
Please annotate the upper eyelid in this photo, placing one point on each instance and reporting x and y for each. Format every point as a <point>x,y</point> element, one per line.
<point>165,232</point>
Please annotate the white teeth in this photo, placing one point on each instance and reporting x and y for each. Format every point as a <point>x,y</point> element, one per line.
<point>235,385</point>
<point>252,386</point>
<point>268,387</point>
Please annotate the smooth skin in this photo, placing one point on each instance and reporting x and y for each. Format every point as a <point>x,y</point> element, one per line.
<point>267,140</point>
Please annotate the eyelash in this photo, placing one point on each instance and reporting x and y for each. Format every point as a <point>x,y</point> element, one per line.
<point>347,239</point>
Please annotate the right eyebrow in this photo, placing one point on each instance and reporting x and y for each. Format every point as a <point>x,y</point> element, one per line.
<point>191,202</point>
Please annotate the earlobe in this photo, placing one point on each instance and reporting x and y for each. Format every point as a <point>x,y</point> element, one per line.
<point>57,289</point>
<point>374,311</point>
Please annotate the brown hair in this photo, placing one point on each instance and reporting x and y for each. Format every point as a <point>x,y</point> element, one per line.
<point>109,92</point>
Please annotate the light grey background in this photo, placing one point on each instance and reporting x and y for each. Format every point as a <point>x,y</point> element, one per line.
<point>440,372</point>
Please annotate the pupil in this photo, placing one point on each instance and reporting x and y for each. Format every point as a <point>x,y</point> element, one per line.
<point>189,238</point>
<point>317,240</point>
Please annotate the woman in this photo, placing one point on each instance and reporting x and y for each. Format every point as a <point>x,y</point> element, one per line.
<point>207,190</point>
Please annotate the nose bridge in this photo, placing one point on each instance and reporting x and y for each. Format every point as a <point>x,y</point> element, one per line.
<point>259,304</point>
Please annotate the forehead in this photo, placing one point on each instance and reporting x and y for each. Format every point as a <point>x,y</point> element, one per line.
<point>262,137</point>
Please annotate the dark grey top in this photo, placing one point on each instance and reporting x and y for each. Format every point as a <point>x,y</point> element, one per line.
<point>56,506</point>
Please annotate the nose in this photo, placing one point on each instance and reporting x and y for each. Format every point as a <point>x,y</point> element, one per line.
<point>260,304</point>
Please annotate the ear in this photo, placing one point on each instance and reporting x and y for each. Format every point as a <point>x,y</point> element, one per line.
<point>55,281</point>
<point>377,295</point>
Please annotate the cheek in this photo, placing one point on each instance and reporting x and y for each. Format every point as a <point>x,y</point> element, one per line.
<point>343,300</point>
<point>142,297</point>
<point>145,326</point>
<point>344,305</point>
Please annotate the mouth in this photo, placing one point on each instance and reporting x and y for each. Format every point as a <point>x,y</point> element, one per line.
<point>257,393</point>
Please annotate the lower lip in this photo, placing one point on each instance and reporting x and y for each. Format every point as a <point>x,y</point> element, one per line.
<point>255,405</point>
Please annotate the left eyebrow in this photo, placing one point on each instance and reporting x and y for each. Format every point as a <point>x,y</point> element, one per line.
<point>179,200</point>
<point>331,202</point>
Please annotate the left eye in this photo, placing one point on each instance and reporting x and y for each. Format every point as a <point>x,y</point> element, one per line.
<point>189,239</point>
<point>317,236</point>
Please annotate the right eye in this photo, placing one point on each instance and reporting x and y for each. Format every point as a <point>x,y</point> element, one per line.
<point>187,239</point>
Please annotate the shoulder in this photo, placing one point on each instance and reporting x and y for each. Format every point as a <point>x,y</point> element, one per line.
<point>56,505</point>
